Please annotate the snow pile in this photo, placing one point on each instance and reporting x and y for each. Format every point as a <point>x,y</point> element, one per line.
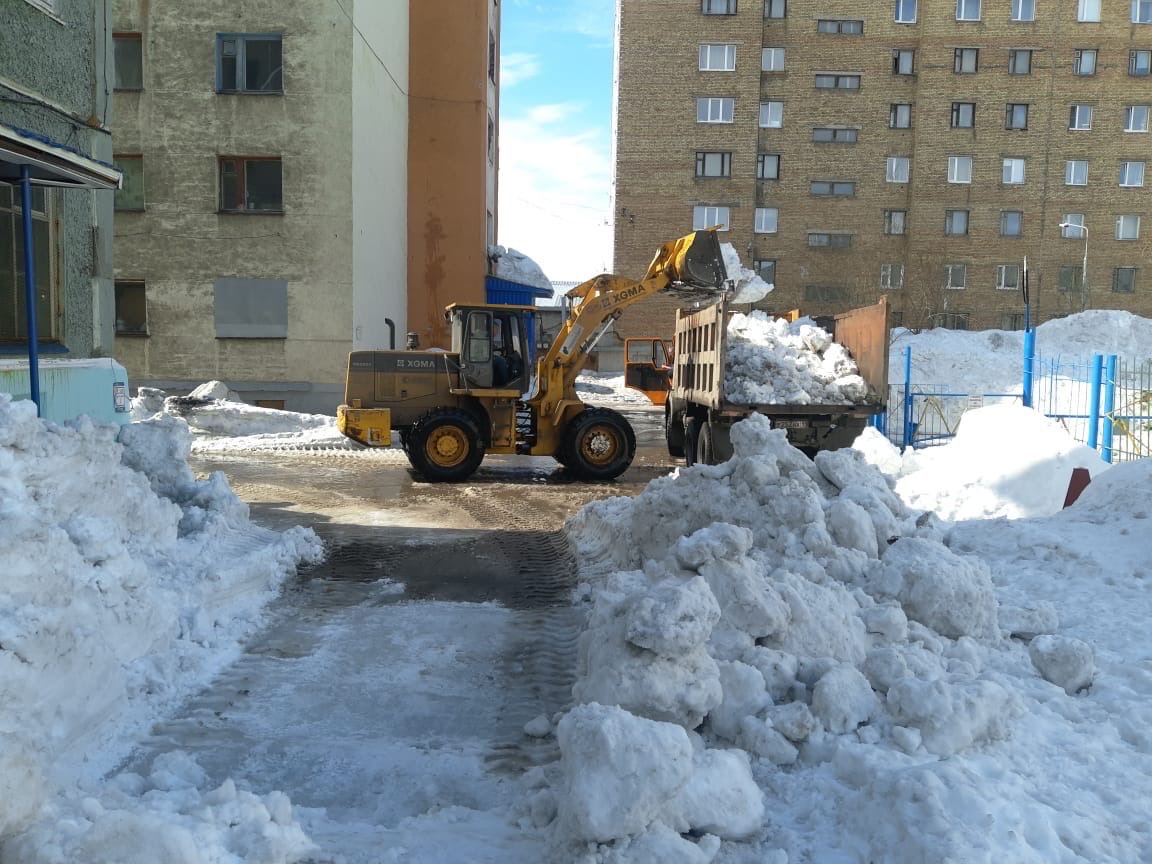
<point>507,263</point>
<point>771,361</point>
<point>750,288</point>
<point>124,583</point>
<point>764,613</point>
<point>1025,473</point>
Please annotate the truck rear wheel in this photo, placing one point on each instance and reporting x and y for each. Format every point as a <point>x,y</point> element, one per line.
<point>444,446</point>
<point>705,444</point>
<point>691,440</point>
<point>598,444</point>
<point>672,435</point>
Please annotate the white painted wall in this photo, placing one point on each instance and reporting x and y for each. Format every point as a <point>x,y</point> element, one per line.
<point>379,172</point>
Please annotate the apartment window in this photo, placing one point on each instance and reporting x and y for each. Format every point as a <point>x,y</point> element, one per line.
<point>834,188</point>
<point>1080,117</point>
<point>1136,118</point>
<point>128,61</point>
<point>1128,227</point>
<point>713,164</point>
<point>892,276</point>
<point>1011,223</point>
<point>711,109</point>
<point>898,170</point>
<point>1015,116</point>
<point>768,166</point>
<point>250,308</point>
<point>903,61</point>
<point>959,169</point>
<point>1076,172</point>
<point>775,8</point>
<point>771,115</point>
<point>1023,10</point>
<point>46,249</point>
<point>955,276</point>
<point>1088,10</point>
<point>717,58</point>
<point>249,63</point>
<point>900,115</point>
<point>1020,61</point>
<point>491,56</point>
<point>956,222</point>
<point>130,195</point>
<point>491,140</point>
<point>829,239</point>
<point>1007,277</point>
<point>905,12</point>
<point>1131,173</point>
<point>1140,62</point>
<point>967,10</point>
<point>1075,226</point>
<point>765,268</point>
<point>1142,11</point>
<point>251,185</point>
<point>833,135</point>
<point>767,220</point>
<point>963,115</point>
<point>952,320</point>
<point>825,294</point>
<point>1085,61</point>
<point>966,61</point>
<point>131,309</point>
<point>707,217</point>
<point>1124,280</point>
<point>895,221</point>
<point>848,27</point>
<point>718,7</point>
<point>1011,320</point>
<point>772,60</point>
<point>829,81</point>
<point>1013,171</point>
<point>1071,277</point>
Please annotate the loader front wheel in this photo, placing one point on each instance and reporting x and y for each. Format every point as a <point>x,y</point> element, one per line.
<point>598,444</point>
<point>444,446</point>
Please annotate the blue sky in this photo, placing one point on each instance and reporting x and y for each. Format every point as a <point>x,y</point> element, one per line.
<point>556,134</point>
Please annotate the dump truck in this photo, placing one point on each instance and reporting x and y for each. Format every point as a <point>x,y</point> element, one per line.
<point>698,415</point>
<point>485,395</point>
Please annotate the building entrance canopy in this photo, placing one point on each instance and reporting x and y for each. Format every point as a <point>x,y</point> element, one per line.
<point>50,163</point>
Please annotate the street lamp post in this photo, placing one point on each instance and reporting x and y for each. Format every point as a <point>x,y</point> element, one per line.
<point>1084,264</point>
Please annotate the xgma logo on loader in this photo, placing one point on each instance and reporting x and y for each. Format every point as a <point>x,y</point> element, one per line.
<point>618,298</point>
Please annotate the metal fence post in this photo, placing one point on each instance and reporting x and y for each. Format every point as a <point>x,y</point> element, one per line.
<point>1094,401</point>
<point>906,441</point>
<point>1029,363</point>
<point>1109,406</point>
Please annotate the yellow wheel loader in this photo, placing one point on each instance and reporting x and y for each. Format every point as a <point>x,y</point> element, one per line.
<point>450,408</point>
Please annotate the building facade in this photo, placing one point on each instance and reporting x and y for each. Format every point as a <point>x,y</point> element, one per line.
<point>263,230</point>
<point>54,100</point>
<point>923,149</point>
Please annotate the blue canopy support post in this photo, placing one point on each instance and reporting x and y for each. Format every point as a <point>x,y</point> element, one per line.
<point>30,286</point>
<point>906,438</point>
<point>1029,365</point>
<point>1094,401</point>
<point>1109,406</point>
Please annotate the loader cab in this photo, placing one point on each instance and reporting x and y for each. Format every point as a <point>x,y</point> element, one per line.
<point>492,344</point>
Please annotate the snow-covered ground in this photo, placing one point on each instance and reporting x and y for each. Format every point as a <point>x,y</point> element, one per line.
<point>785,661</point>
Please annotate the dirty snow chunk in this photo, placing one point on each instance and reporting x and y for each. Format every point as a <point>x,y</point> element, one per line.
<point>662,845</point>
<point>747,601</point>
<point>778,668</point>
<point>879,452</point>
<point>852,527</point>
<point>538,727</point>
<point>744,695</point>
<point>716,542</point>
<point>620,771</point>
<point>887,621</point>
<point>771,362</point>
<point>947,593</point>
<point>951,715</point>
<point>214,390</point>
<point>1027,622</point>
<point>750,288</point>
<point>719,798</point>
<point>794,721</point>
<point>884,666</point>
<point>843,699</point>
<point>673,618</point>
<point>1066,662</point>
<point>514,266</point>
<point>758,737</point>
<point>824,622</point>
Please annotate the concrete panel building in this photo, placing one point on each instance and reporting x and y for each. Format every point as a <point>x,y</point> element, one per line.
<point>263,229</point>
<point>922,149</point>
<point>55,95</point>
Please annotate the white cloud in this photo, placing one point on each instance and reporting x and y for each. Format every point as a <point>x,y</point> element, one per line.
<point>515,68</point>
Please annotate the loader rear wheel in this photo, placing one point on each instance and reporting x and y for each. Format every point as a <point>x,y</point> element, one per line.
<point>705,444</point>
<point>444,446</point>
<point>598,444</point>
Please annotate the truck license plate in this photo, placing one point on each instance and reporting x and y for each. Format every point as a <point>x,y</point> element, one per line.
<point>790,424</point>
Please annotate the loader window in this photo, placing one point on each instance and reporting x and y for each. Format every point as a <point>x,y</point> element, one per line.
<point>479,337</point>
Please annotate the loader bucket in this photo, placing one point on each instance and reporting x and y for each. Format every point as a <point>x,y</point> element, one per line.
<point>694,260</point>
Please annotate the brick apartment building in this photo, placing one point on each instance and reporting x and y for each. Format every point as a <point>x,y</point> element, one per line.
<point>921,149</point>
